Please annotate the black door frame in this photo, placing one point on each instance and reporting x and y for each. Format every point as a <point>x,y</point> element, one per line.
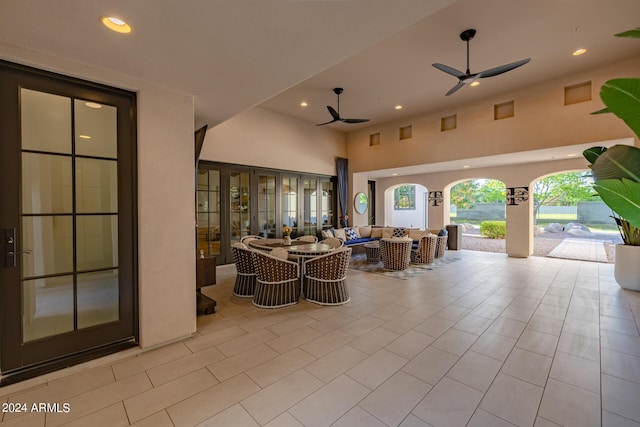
<point>22,360</point>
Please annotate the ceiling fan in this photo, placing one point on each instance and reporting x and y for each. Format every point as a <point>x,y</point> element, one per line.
<point>467,77</point>
<point>336,114</point>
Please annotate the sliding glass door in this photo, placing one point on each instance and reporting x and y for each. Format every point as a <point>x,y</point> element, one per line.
<point>235,201</point>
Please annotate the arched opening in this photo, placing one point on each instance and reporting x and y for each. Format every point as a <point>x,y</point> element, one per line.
<point>569,219</point>
<point>406,205</point>
<point>479,202</point>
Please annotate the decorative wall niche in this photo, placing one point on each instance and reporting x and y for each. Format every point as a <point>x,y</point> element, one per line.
<point>374,139</point>
<point>449,123</point>
<point>503,110</point>
<point>405,132</point>
<point>579,92</point>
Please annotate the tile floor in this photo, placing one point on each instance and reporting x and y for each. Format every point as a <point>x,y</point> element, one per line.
<point>484,341</point>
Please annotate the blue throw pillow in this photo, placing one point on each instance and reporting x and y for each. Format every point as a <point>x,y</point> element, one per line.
<point>443,232</point>
<point>350,233</point>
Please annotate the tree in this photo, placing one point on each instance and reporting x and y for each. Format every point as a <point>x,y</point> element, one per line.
<point>465,194</point>
<point>492,191</point>
<point>468,193</point>
<point>565,189</point>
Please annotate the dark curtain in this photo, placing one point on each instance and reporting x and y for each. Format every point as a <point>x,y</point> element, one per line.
<point>343,187</point>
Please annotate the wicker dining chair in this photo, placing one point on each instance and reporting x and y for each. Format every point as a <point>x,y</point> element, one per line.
<point>277,280</point>
<point>246,275</point>
<point>441,246</point>
<point>426,251</point>
<point>334,242</point>
<point>306,238</point>
<point>325,278</point>
<point>246,239</point>
<point>395,253</point>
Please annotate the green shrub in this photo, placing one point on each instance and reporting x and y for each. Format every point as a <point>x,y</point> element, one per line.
<point>493,229</point>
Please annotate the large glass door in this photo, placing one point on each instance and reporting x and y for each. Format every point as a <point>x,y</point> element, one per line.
<point>234,201</point>
<point>311,206</point>
<point>266,189</point>
<point>208,213</point>
<point>290,207</point>
<point>67,174</point>
<point>239,205</point>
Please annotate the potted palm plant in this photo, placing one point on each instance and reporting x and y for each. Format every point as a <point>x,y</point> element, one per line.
<point>616,173</point>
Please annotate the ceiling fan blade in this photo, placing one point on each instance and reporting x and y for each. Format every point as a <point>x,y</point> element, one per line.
<point>326,123</point>
<point>455,88</point>
<point>333,113</point>
<point>355,120</point>
<point>449,70</point>
<point>503,68</point>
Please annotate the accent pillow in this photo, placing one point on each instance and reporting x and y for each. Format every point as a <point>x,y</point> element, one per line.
<point>399,232</point>
<point>443,232</point>
<point>339,233</point>
<point>281,253</point>
<point>365,231</point>
<point>376,233</point>
<point>357,230</point>
<point>327,233</point>
<point>387,232</point>
<point>350,233</point>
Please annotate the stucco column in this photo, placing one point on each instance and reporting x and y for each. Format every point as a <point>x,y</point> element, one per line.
<point>439,215</point>
<point>519,228</point>
<point>357,183</point>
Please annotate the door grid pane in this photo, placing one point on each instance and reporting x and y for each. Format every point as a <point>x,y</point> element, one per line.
<point>47,307</point>
<point>72,193</point>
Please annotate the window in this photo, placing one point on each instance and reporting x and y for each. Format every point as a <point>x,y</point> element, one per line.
<point>404,198</point>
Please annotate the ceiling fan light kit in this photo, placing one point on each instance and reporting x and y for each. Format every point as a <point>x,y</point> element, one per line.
<point>468,77</point>
<point>336,114</point>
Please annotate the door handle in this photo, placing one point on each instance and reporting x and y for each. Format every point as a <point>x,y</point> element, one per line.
<point>10,247</point>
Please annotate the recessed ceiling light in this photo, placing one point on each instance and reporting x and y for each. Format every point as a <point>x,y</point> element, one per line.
<point>579,52</point>
<point>304,104</point>
<point>116,24</point>
<point>466,166</point>
<point>93,105</point>
<point>474,84</point>
<point>398,107</point>
<point>571,155</point>
<point>84,136</point>
<point>394,174</point>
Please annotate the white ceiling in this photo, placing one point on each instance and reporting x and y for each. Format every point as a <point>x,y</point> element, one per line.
<point>231,54</point>
<point>236,54</point>
<point>398,69</point>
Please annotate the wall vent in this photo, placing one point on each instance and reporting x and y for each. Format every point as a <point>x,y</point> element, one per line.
<point>405,132</point>
<point>374,139</point>
<point>449,122</point>
<point>580,92</point>
<point>503,110</point>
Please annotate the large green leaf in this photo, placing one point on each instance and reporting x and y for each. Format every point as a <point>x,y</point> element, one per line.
<point>619,161</point>
<point>622,98</point>
<point>635,33</point>
<point>622,196</point>
<point>593,153</point>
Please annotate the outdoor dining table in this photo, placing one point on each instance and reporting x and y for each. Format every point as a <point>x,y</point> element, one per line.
<point>298,250</point>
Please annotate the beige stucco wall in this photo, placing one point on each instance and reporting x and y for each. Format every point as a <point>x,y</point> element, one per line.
<point>541,121</point>
<point>261,137</point>
<point>166,237</point>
